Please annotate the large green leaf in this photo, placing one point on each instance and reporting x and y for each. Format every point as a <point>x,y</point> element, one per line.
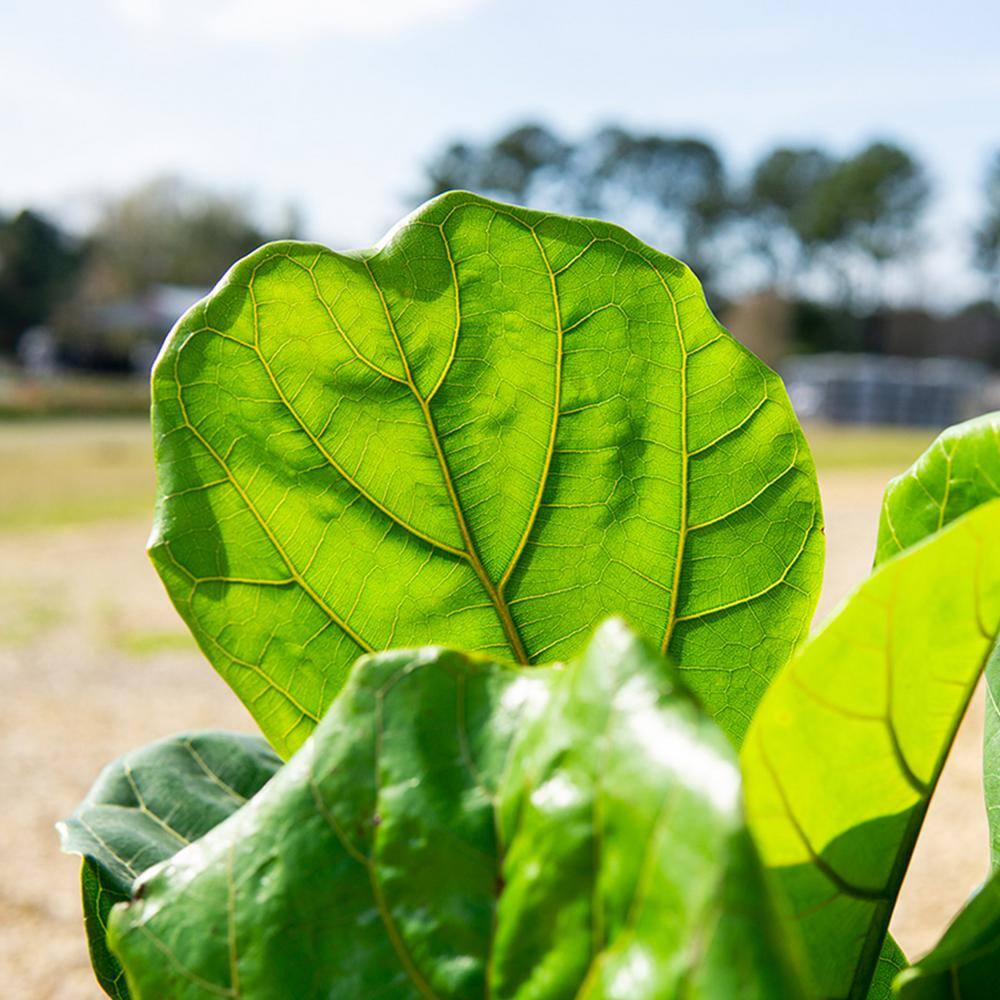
<point>960,471</point>
<point>458,827</point>
<point>145,807</point>
<point>491,431</point>
<point>849,741</point>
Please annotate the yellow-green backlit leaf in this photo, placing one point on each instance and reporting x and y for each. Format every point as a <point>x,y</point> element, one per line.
<point>960,471</point>
<point>491,431</point>
<point>849,741</point>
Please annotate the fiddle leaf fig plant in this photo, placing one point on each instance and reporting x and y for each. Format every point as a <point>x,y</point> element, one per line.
<point>398,491</point>
<point>491,431</point>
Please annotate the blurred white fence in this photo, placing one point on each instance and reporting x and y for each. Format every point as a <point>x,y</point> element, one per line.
<point>881,389</point>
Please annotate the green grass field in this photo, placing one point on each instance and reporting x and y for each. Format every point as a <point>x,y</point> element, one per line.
<point>839,446</point>
<point>63,471</point>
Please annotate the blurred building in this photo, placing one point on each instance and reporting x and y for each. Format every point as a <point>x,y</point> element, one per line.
<point>129,332</point>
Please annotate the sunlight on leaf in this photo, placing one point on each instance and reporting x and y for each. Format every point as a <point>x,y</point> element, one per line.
<point>849,741</point>
<point>491,431</point>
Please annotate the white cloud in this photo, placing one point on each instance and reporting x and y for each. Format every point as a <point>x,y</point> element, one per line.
<point>286,20</point>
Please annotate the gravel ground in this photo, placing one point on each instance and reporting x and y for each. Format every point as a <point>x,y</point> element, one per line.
<point>94,662</point>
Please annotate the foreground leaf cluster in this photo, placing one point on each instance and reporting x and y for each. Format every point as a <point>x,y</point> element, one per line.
<point>492,432</point>
<point>464,834</point>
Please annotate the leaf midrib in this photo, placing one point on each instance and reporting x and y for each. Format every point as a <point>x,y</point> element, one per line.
<point>495,591</point>
<point>471,552</point>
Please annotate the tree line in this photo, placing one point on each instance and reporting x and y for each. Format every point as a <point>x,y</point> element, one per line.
<point>800,219</point>
<point>815,225</point>
<point>164,232</point>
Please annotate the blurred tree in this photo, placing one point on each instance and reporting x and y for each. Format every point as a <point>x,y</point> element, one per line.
<point>779,202</point>
<point>824,326</point>
<point>671,190</point>
<point>675,188</point>
<point>38,266</point>
<point>868,208</point>
<point>167,231</point>
<point>987,236</point>
<point>813,215</point>
<point>507,167</point>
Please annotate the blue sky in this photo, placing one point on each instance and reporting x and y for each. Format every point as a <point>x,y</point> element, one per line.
<point>334,105</point>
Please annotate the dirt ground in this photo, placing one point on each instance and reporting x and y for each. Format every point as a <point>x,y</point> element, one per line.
<point>93,662</point>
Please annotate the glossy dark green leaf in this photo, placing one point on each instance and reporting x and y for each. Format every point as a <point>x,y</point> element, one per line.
<point>458,827</point>
<point>100,894</point>
<point>850,739</point>
<point>146,806</point>
<point>491,431</point>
